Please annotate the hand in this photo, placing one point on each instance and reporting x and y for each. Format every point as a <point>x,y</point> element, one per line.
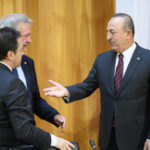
<point>57,90</point>
<point>64,144</point>
<point>61,121</point>
<point>147,145</point>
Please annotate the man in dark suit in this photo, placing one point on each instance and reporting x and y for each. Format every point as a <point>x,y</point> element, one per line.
<point>123,76</point>
<point>27,74</point>
<point>17,124</point>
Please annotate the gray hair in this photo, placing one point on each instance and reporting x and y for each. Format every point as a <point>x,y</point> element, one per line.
<point>128,22</point>
<point>13,20</point>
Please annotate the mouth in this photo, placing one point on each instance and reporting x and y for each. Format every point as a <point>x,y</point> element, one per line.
<point>25,45</point>
<point>111,43</point>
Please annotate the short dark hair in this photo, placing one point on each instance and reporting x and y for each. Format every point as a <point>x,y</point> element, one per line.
<point>128,22</point>
<point>8,41</point>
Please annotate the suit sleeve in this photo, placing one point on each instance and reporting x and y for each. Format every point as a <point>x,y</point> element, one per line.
<point>41,107</point>
<point>22,119</point>
<point>85,88</point>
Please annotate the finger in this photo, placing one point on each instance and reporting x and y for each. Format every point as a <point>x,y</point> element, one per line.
<point>60,120</point>
<point>145,147</point>
<point>47,93</point>
<point>47,89</point>
<point>50,94</point>
<point>68,147</point>
<point>71,145</point>
<point>53,83</point>
<point>63,126</point>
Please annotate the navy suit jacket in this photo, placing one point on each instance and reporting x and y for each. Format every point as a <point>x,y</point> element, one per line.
<point>17,124</point>
<point>40,107</point>
<point>131,103</point>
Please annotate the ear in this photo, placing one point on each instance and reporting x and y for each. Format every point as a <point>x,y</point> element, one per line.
<point>129,34</point>
<point>10,55</point>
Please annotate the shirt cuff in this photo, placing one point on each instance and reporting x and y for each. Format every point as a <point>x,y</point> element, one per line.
<point>53,140</point>
<point>148,139</point>
<point>66,98</point>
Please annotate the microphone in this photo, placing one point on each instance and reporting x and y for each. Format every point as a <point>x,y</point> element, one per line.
<point>92,144</point>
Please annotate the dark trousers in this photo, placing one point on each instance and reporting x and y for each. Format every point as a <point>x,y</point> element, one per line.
<point>112,144</point>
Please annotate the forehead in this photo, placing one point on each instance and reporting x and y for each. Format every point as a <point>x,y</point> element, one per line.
<point>24,28</point>
<point>115,23</point>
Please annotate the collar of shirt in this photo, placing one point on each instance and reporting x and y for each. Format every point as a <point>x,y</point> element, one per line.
<point>6,65</point>
<point>127,55</point>
<point>21,75</point>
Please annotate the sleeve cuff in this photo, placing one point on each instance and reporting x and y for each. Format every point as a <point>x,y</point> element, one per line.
<point>66,98</point>
<point>53,140</point>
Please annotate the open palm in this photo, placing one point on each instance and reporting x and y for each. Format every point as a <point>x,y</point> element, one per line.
<point>57,90</point>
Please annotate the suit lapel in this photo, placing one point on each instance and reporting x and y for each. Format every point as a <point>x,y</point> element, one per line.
<point>135,60</point>
<point>112,71</point>
<point>24,65</point>
<point>111,67</point>
<point>25,70</point>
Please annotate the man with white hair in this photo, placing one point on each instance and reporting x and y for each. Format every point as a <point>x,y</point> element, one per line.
<point>27,74</point>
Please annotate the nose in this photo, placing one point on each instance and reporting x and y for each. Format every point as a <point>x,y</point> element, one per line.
<point>29,40</point>
<point>108,36</point>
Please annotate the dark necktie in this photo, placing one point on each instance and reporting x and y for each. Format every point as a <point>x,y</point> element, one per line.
<point>117,80</point>
<point>119,72</point>
<point>15,72</point>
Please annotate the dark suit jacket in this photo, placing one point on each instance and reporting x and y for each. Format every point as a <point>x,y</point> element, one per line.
<point>40,107</point>
<point>130,104</point>
<point>17,124</point>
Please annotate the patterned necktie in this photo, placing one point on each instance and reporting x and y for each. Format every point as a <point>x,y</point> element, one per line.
<point>119,72</point>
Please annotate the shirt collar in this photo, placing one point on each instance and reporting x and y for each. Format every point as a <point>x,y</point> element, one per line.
<point>6,65</point>
<point>129,52</point>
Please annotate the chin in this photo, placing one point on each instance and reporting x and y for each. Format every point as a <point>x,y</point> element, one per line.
<point>113,47</point>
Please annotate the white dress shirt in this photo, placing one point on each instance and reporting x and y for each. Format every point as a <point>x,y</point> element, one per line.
<point>127,55</point>
<point>21,75</point>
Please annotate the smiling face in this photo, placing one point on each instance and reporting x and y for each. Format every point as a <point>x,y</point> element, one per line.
<point>117,35</point>
<point>25,32</point>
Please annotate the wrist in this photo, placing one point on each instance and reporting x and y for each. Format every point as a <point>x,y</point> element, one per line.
<point>66,93</point>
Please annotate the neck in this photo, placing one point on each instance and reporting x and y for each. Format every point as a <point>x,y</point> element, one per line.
<point>6,64</point>
<point>127,46</point>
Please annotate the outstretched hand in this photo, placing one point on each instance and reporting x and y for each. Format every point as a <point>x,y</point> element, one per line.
<point>57,90</point>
